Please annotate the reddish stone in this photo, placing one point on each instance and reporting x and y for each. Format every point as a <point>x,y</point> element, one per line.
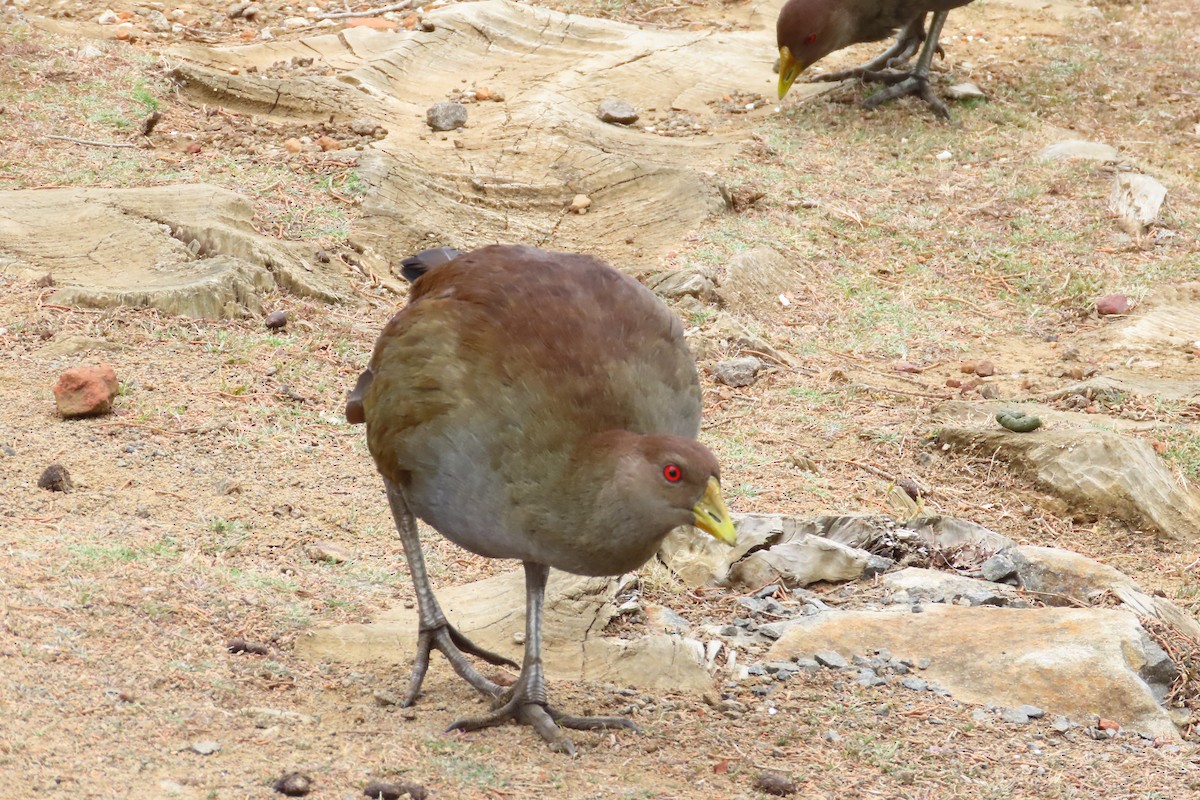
<point>376,23</point>
<point>85,391</point>
<point>1113,304</point>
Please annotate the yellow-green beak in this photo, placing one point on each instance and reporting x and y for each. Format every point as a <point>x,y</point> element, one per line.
<point>789,70</point>
<point>712,516</point>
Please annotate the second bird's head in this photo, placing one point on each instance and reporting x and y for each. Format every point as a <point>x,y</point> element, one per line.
<point>806,32</point>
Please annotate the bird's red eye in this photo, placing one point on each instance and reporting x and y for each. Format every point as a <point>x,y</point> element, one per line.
<point>672,473</point>
<point>812,37</point>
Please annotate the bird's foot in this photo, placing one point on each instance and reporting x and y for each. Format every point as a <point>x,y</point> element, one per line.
<point>546,720</point>
<point>905,85</point>
<point>446,639</point>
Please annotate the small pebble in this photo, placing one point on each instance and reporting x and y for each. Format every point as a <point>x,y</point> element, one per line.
<point>831,659</point>
<point>385,790</point>
<point>240,645</point>
<point>205,747</point>
<point>276,319</point>
<point>775,783</point>
<point>1112,304</point>
<point>446,116</point>
<point>616,111</point>
<point>55,478</point>
<point>294,784</point>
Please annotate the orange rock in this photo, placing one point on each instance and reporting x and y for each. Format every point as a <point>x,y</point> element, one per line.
<point>375,23</point>
<point>293,145</point>
<point>85,391</point>
<point>328,143</point>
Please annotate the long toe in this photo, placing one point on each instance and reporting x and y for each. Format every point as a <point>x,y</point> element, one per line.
<point>912,85</point>
<point>547,721</point>
<point>467,646</point>
<point>522,712</point>
<point>591,723</point>
<point>448,642</point>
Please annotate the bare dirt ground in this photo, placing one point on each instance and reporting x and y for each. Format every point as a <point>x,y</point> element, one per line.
<point>227,455</point>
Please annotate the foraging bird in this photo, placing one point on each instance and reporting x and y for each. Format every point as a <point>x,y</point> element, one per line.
<point>537,406</point>
<point>809,30</point>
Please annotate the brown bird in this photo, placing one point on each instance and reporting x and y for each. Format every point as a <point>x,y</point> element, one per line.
<point>809,30</point>
<point>536,406</point>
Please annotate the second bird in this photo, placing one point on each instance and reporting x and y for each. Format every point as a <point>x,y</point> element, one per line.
<point>809,30</point>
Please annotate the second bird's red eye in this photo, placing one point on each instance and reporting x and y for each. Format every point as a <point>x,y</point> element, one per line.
<point>672,473</point>
<point>812,37</point>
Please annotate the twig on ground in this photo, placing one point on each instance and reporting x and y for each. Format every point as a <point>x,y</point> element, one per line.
<point>89,142</point>
<point>887,390</point>
<point>873,470</point>
<point>370,12</point>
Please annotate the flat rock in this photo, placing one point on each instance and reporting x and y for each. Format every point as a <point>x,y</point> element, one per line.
<point>965,91</point>
<point>1062,577</point>
<point>492,613</point>
<point>1167,319</point>
<point>73,344</point>
<point>703,561</point>
<point>800,562</point>
<point>1079,149</point>
<point>681,282</point>
<point>948,587</point>
<point>1094,470</point>
<point>186,249</point>
<point>1136,200</point>
<point>737,372</point>
<point>754,280</point>
<point>327,551</point>
<point>1078,662</point>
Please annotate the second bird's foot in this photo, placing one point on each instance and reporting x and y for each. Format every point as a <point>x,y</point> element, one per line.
<point>546,720</point>
<point>446,639</point>
<point>912,84</point>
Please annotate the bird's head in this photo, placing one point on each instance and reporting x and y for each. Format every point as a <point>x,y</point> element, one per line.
<point>806,32</point>
<point>676,481</point>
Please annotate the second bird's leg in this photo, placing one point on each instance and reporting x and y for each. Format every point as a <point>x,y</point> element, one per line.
<point>908,41</point>
<point>526,702</point>
<point>434,632</point>
<point>917,81</point>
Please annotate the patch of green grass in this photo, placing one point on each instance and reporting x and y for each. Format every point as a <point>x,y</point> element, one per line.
<point>1183,451</point>
<point>469,771</point>
<point>92,555</point>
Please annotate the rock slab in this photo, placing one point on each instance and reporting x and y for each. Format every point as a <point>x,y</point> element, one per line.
<point>491,613</point>
<point>1078,662</point>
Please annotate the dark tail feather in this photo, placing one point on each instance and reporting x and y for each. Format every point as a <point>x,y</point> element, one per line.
<point>414,267</point>
<point>355,414</point>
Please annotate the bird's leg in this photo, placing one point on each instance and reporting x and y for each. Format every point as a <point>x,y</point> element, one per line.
<point>434,632</point>
<point>526,704</point>
<point>917,81</point>
<point>908,41</point>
